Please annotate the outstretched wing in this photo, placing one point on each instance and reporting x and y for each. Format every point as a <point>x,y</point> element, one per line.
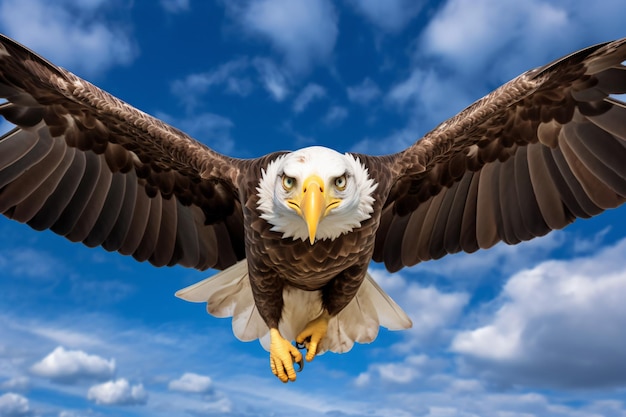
<point>540,151</point>
<point>94,169</point>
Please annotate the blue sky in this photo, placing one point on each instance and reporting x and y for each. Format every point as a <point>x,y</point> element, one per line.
<point>538,329</point>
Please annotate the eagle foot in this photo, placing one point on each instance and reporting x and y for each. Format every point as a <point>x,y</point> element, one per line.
<point>283,355</point>
<point>312,335</point>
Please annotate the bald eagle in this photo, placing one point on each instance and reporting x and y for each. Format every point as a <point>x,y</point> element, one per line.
<point>293,233</point>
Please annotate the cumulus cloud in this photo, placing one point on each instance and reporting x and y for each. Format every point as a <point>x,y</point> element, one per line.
<point>433,312</point>
<point>62,335</point>
<point>558,324</point>
<point>476,25</point>
<point>70,366</point>
<point>118,392</point>
<point>389,15</point>
<point>304,33</point>
<point>76,35</point>
<point>18,383</point>
<point>190,382</point>
<point>14,405</point>
<point>404,372</point>
<point>514,35</point>
<point>308,94</point>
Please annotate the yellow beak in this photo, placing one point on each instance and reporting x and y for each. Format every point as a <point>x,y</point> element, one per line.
<point>313,204</point>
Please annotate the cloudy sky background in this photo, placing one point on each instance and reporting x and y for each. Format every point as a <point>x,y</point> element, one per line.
<point>538,329</point>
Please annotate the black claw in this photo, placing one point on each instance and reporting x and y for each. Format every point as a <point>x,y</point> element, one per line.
<point>304,344</point>
<point>300,364</point>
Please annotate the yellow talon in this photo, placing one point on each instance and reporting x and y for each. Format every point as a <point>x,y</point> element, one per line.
<point>313,334</point>
<point>282,357</point>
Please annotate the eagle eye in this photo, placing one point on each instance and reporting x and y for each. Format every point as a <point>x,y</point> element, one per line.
<point>341,182</point>
<point>288,182</point>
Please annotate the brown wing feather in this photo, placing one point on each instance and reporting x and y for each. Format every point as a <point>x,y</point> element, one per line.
<point>543,149</point>
<point>99,171</point>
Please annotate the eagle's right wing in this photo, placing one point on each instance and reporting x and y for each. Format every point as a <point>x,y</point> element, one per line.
<point>96,170</point>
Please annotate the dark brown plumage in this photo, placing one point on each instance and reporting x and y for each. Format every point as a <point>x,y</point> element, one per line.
<point>535,154</point>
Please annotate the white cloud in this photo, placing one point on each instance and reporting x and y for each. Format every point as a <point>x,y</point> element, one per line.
<point>118,392</point>
<point>388,15</point>
<point>393,142</point>
<point>405,372</point>
<point>500,259</point>
<point>558,324</point>
<point>308,94</point>
<point>231,76</point>
<point>62,335</point>
<point>588,244</point>
<point>363,379</point>
<point>18,383</point>
<point>72,34</point>
<point>408,90</point>
<point>273,78</point>
<point>462,386</point>
<point>69,366</point>
<point>32,263</point>
<point>513,35</point>
<point>219,407</point>
<point>487,27</point>
<point>364,93</point>
<point>443,403</point>
<point>191,382</point>
<point>14,405</point>
<point>237,77</point>
<point>72,413</point>
<point>429,95</point>
<point>433,312</point>
<point>303,32</point>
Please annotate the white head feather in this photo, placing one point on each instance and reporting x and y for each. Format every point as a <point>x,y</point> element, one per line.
<point>356,198</point>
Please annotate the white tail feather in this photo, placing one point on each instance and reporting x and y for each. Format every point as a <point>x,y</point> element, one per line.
<point>228,293</point>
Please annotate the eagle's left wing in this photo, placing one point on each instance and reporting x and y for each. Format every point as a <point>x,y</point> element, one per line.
<point>540,151</point>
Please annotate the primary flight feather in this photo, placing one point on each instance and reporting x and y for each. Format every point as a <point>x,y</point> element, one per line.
<point>293,233</point>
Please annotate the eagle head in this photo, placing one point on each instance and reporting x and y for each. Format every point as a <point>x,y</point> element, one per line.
<point>315,193</point>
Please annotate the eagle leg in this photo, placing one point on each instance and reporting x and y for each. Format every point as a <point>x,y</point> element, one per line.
<point>313,334</point>
<point>282,357</point>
